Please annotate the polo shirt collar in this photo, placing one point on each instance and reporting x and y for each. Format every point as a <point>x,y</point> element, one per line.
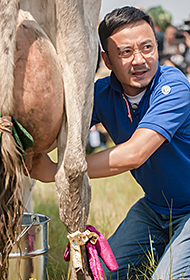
<point>115,84</point>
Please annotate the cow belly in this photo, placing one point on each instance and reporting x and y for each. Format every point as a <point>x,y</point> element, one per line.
<point>38,87</point>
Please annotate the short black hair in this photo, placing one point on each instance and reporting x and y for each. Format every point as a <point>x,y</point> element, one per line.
<point>119,17</point>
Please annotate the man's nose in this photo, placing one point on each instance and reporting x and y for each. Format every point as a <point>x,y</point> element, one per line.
<point>138,57</point>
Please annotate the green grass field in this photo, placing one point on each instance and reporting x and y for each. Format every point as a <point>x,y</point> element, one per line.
<point>111,198</point>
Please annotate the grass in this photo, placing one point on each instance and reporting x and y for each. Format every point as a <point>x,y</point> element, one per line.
<point>45,203</point>
<point>110,201</point>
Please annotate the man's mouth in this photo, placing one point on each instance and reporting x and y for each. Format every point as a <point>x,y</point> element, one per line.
<point>139,74</point>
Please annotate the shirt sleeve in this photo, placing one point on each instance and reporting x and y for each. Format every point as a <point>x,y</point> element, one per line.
<point>168,110</point>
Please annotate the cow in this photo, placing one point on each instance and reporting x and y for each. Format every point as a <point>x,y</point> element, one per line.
<point>66,32</point>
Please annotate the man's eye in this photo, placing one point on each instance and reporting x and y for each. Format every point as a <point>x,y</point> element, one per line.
<point>126,52</point>
<point>147,48</point>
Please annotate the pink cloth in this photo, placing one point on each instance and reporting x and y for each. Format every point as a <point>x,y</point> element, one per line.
<point>102,249</point>
<point>94,261</point>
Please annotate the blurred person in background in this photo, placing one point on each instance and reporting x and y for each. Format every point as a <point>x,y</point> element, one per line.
<point>176,48</point>
<point>96,139</point>
<point>161,20</point>
<point>173,42</point>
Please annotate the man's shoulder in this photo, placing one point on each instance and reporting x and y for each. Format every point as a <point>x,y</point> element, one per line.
<point>171,73</point>
<point>107,85</point>
<point>170,84</point>
<point>102,85</point>
<point>103,81</point>
<point>172,77</point>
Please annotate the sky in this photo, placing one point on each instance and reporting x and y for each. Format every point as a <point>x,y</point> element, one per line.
<point>180,10</point>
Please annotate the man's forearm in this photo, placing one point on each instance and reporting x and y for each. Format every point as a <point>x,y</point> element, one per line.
<point>126,156</point>
<point>106,163</point>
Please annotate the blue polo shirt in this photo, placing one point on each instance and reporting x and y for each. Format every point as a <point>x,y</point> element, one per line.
<point>165,108</point>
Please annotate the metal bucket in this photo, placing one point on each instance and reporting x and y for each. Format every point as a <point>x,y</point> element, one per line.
<point>32,262</point>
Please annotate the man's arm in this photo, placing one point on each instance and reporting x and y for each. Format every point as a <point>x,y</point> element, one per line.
<point>113,161</point>
<point>126,156</point>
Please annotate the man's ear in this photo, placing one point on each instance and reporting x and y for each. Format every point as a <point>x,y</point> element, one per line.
<point>106,60</point>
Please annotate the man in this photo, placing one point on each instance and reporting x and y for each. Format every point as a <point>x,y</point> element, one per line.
<point>146,110</point>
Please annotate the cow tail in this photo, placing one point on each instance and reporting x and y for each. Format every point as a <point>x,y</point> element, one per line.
<point>10,157</point>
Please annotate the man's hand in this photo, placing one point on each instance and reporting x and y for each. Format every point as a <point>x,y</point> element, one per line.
<point>43,168</point>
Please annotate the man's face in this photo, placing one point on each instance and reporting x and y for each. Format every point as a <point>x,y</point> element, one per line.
<point>134,72</point>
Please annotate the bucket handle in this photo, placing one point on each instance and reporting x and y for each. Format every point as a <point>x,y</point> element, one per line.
<point>35,219</point>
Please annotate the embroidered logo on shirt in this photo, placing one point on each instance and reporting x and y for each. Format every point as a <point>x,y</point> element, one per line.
<point>166,89</point>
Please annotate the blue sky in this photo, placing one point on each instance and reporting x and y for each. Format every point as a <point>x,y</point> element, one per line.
<point>180,10</point>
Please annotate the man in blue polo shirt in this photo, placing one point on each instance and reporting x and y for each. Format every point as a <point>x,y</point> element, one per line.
<point>146,110</point>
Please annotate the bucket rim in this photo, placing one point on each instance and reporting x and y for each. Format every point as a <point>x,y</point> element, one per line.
<point>29,214</point>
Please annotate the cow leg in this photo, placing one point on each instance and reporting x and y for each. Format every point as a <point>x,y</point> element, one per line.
<point>77,48</point>
<point>44,14</point>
